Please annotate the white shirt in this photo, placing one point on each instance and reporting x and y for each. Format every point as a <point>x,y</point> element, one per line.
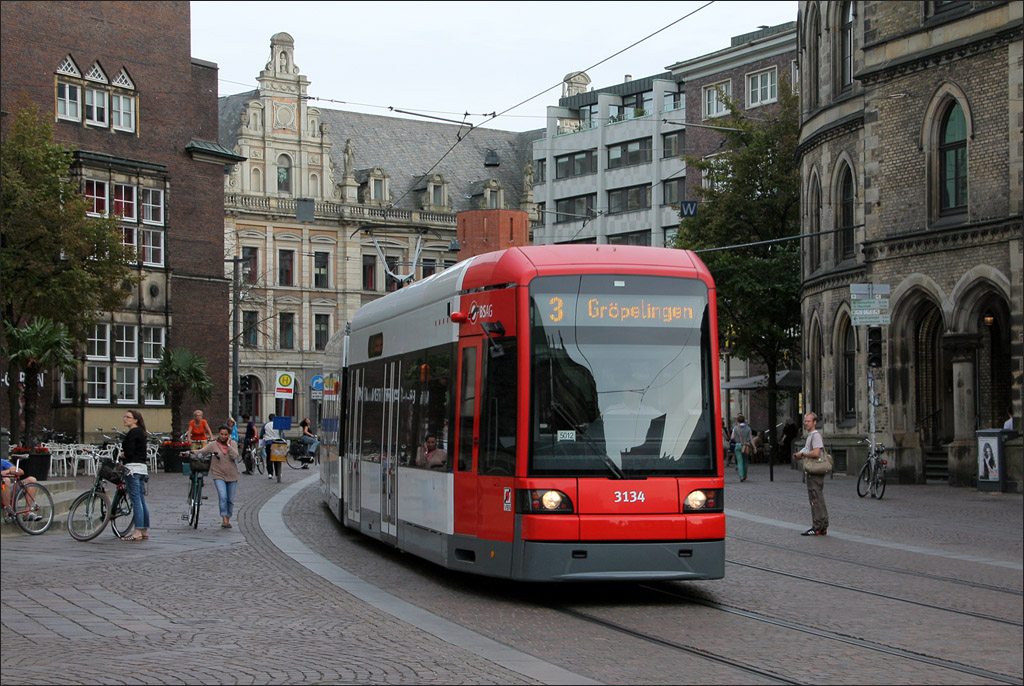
<point>814,440</point>
<point>1008,424</point>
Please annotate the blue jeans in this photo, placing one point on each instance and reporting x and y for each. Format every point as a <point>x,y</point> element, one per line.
<point>741,461</point>
<point>226,494</point>
<point>312,445</point>
<point>133,482</point>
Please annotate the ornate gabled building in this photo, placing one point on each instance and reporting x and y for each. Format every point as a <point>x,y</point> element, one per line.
<point>332,209</point>
<point>911,162</point>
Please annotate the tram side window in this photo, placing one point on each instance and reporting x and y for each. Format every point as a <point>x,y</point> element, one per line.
<point>498,427</point>
<point>371,396</point>
<point>467,400</point>
<point>426,384</point>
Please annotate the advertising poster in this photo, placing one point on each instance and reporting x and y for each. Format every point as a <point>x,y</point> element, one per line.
<point>988,466</point>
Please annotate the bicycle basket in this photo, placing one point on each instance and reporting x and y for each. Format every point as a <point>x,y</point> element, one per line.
<point>114,473</point>
<point>199,463</point>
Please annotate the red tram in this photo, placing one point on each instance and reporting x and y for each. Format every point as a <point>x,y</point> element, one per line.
<point>545,413</point>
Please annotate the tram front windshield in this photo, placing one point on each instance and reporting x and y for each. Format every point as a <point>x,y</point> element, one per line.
<point>620,377</point>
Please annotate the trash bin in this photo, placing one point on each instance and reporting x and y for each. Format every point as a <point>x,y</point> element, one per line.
<point>992,459</point>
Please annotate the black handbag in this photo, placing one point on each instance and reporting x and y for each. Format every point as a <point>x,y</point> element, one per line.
<point>199,463</point>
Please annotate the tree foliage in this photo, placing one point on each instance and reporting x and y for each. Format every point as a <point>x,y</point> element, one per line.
<point>751,194</point>
<point>56,261</point>
<point>180,372</point>
<point>34,348</point>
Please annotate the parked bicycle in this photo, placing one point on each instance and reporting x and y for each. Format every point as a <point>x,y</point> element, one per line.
<point>30,505</point>
<point>198,466</point>
<point>872,475</point>
<point>93,510</point>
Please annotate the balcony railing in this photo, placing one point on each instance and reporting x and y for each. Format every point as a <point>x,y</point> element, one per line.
<point>333,210</point>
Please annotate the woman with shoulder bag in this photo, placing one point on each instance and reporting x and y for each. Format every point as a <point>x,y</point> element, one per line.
<point>223,454</point>
<point>741,433</point>
<point>813,450</point>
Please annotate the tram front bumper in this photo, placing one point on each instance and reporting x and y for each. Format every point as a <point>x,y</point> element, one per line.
<point>618,560</point>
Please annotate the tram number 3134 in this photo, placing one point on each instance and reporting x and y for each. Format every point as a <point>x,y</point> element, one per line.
<point>630,497</point>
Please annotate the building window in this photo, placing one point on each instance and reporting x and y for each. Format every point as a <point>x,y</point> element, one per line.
<point>674,191</point>
<point>96,198</point>
<point>378,190</point>
<point>674,101</point>
<point>637,105</point>
<point>124,201</point>
<point>250,264</point>
<point>286,331</point>
<point>577,164</point>
<point>761,88</point>
<point>152,200</point>
<point>126,385</point>
<point>250,335</point>
<point>846,47</point>
<point>122,112</point>
<point>588,117</point>
<point>814,228</point>
<point>69,101</point>
<point>811,71</point>
<point>284,174</point>
<point>632,238</point>
<point>672,144</point>
<point>97,346</point>
<point>629,199</point>
<point>151,247</point>
<point>320,270</point>
<point>67,389</point>
<point>128,237</point>
<point>844,237</point>
<point>629,153</point>
<point>493,198</point>
<point>321,331</point>
<point>429,267</point>
<point>391,284</point>
<point>953,161</point>
<point>575,209</point>
<point>540,171</point>
<point>95,107</point>
<point>285,258</point>
<point>848,373</point>
<point>152,343</point>
<point>97,384</point>
<point>150,398</point>
<point>714,99</point>
<point>437,195</point>
<point>125,343</point>
<point>369,273</point>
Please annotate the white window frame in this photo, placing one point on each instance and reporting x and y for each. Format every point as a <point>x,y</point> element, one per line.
<point>147,374</point>
<point>67,389</point>
<point>151,200</point>
<point>98,107</point>
<point>713,106</point>
<point>129,237</point>
<point>126,385</point>
<point>120,113</point>
<point>153,342</point>
<point>129,203</point>
<point>151,246</point>
<point>97,345</point>
<point>312,337</point>
<point>92,198</point>
<point>756,87</point>
<point>126,342</point>
<point>378,189</point>
<point>66,104</point>
<point>437,194</point>
<point>97,390</point>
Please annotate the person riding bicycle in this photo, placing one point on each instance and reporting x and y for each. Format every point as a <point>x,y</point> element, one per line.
<point>311,442</point>
<point>9,471</point>
<point>199,430</point>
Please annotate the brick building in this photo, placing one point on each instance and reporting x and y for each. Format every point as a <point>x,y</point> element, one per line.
<point>911,165</point>
<point>141,116</point>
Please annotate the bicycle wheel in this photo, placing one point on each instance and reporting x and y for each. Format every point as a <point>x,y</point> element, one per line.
<point>88,516</point>
<point>257,461</point>
<point>122,518</point>
<point>878,487</point>
<point>196,500</point>
<point>35,514</point>
<point>864,479</point>
<point>294,461</point>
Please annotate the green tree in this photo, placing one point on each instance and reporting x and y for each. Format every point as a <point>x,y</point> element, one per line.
<point>34,348</point>
<point>180,372</point>
<point>56,262</point>
<point>751,194</point>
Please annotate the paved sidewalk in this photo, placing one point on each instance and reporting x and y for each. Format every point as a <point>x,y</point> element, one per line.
<point>210,605</point>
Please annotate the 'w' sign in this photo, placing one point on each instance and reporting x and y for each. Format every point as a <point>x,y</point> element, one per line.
<point>688,208</point>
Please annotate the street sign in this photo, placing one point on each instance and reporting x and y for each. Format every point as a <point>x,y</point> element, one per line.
<point>863,291</point>
<point>873,304</point>
<point>688,208</point>
<point>284,388</point>
<point>870,319</point>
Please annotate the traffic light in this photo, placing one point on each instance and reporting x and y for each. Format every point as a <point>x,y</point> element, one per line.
<point>243,385</point>
<point>874,346</point>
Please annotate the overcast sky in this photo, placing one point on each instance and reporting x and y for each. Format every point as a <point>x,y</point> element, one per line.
<point>448,58</point>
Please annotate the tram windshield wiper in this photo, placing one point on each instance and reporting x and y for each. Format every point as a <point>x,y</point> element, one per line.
<point>598,450</point>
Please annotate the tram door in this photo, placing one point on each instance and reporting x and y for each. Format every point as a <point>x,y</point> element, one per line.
<point>390,449</point>
<point>352,453</point>
<point>468,436</point>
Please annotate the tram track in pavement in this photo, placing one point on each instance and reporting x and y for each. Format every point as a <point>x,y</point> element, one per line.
<point>818,632</point>
<point>884,568</point>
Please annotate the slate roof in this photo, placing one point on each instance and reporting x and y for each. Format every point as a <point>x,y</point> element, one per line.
<point>406,149</point>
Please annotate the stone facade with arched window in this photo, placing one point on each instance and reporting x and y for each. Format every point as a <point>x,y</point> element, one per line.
<point>911,161</point>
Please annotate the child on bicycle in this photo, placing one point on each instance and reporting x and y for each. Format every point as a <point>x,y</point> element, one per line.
<point>9,471</point>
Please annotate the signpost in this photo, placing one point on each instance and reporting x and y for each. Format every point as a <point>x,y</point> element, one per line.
<point>869,305</point>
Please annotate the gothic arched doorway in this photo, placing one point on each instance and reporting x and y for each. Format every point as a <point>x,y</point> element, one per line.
<point>932,381</point>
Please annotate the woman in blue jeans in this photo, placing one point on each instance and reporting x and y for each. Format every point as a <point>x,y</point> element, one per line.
<point>311,442</point>
<point>224,470</point>
<point>133,455</point>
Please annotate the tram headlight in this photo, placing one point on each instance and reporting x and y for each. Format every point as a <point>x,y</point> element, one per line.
<point>540,500</point>
<point>703,500</point>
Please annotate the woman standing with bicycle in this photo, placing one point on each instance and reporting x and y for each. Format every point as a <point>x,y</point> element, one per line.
<point>133,455</point>
<point>224,470</point>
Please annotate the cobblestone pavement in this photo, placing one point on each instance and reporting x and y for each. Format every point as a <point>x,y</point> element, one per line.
<point>289,596</point>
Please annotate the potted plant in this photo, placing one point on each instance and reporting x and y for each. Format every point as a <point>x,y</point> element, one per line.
<point>170,454</point>
<point>35,461</point>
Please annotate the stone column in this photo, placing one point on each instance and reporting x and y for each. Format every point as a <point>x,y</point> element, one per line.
<point>963,450</point>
